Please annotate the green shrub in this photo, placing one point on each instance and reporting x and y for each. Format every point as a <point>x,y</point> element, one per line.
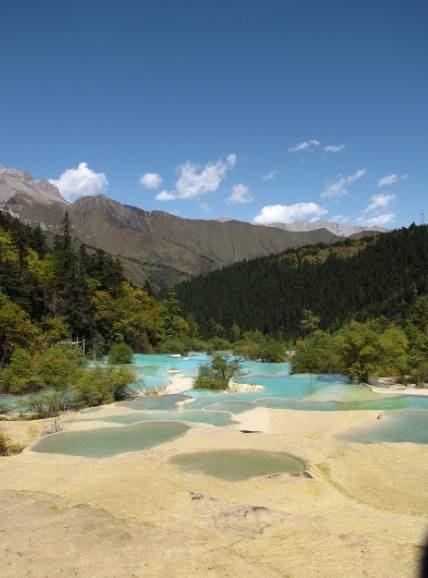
<point>197,344</point>
<point>57,367</point>
<point>60,366</point>
<point>256,345</point>
<point>120,353</point>
<point>102,385</point>
<point>217,375</point>
<point>43,406</point>
<point>217,344</point>
<point>19,376</point>
<point>358,350</point>
<point>174,345</point>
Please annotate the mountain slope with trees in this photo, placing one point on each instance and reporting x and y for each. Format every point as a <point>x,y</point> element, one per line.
<point>151,245</point>
<point>358,279</point>
<point>358,309</point>
<point>65,291</point>
<point>61,302</point>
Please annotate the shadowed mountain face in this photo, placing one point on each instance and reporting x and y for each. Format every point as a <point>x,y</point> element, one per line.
<point>154,245</point>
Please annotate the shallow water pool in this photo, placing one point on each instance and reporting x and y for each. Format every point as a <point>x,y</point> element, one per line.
<point>216,418</point>
<point>236,465</point>
<point>157,402</point>
<point>107,442</point>
<point>395,427</point>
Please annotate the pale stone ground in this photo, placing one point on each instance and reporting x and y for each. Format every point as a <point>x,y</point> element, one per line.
<point>400,390</point>
<point>363,514</point>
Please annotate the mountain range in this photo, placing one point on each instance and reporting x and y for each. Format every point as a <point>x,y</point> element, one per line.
<point>152,245</point>
<point>339,229</point>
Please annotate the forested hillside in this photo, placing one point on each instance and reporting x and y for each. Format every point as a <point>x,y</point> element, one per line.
<point>358,279</point>
<point>53,293</point>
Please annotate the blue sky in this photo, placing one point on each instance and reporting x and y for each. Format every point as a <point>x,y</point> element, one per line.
<point>212,108</point>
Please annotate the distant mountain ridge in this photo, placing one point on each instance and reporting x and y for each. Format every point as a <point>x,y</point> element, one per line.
<point>13,182</point>
<point>339,229</point>
<point>152,245</point>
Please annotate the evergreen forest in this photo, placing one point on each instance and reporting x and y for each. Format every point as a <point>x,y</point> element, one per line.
<point>359,308</point>
<point>354,280</point>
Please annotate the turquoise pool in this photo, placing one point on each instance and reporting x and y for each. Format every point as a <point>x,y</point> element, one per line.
<point>109,441</point>
<point>237,465</point>
<point>396,427</point>
<point>281,390</point>
<point>216,418</point>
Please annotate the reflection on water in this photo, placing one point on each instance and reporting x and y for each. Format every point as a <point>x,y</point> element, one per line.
<point>235,465</point>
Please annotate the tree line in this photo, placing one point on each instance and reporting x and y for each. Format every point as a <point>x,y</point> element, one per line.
<point>62,302</point>
<point>354,280</point>
<point>64,291</point>
<point>370,349</point>
<point>359,308</point>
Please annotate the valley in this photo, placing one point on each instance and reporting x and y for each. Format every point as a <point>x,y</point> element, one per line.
<point>154,246</point>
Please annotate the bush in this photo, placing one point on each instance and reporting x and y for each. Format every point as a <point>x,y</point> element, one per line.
<point>217,375</point>
<point>19,376</point>
<point>60,366</point>
<point>7,448</point>
<point>419,374</point>
<point>256,345</point>
<point>197,344</point>
<point>174,345</point>
<point>218,344</point>
<point>358,350</point>
<point>120,353</point>
<point>318,353</point>
<point>102,385</point>
<point>43,406</point>
<point>57,367</point>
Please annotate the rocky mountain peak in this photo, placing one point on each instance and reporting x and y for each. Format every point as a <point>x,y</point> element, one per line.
<point>13,181</point>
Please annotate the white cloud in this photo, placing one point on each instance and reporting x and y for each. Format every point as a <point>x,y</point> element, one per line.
<point>151,180</point>
<point>80,182</point>
<point>231,159</point>
<point>165,196</point>
<point>372,217</point>
<point>378,220</point>
<point>379,202</point>
<point>194,180</point>
<point>340,187</point>
<point>335,148</point>
<point>240,194</point>
<point>390,180</point>
<point>289,213</point>
<point>269,176</point>
<point>307,145</point>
